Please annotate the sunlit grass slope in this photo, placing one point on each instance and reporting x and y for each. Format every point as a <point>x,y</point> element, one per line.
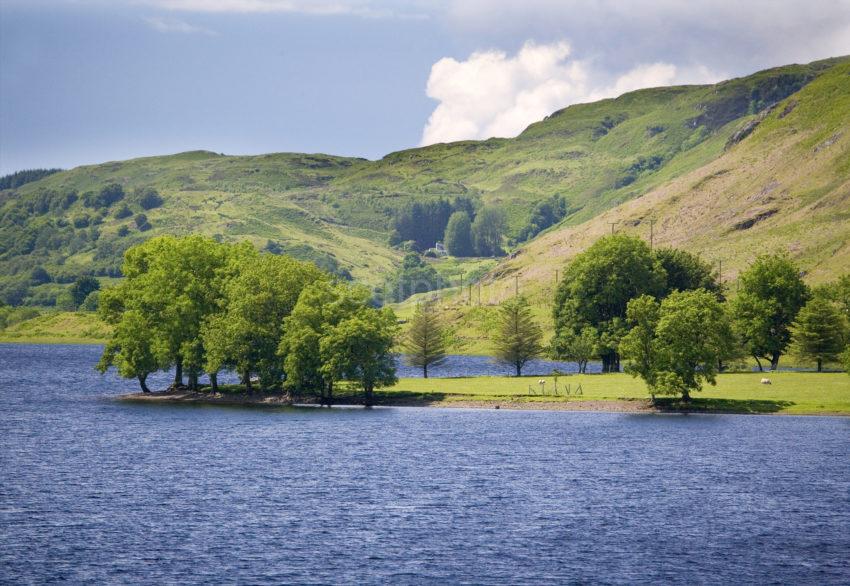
<point>789,392</point>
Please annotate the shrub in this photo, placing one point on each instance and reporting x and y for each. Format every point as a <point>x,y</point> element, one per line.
<point>123,211</point>
<point>148,198</point>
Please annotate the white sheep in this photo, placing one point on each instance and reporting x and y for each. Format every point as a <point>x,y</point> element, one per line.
<point>765,381</point>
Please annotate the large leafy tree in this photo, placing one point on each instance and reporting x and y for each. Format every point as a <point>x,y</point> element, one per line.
<point>173,284</point>
<point>133,349</point>
<point>257,298</point>
<point>578,347</point>
<point>819,331</point>
<point>771,292</point>
<point>458,238</point>
<point>597,287</point>
<point>321,307</point>
<point>685,271</point>
<point>675,346</point>
<point>359,348</point>
<point>517,337</point>
<point>425,342</point>
<point>487,231</point>
<point>177,284</point>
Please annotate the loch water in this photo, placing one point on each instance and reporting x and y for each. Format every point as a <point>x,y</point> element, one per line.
<point>93,491</point>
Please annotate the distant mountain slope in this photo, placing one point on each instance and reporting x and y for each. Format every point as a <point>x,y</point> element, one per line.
<point>337,211</point>
<point>784,186</point>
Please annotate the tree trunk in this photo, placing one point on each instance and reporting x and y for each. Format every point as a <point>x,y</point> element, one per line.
<point>819,365</point>
<point>330,393</point>
<point>246,380</point>
<point>761,368</point>
<point>178,372</point>
<point>193,379</point>
<point>518,369</point>
<point>774,361</point>
<point>214,381</point>
<point>143,383</point>
<point>686,396</point>
<point>424,371</point>
<point>369,397</point>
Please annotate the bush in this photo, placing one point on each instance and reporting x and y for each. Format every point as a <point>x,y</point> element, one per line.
<point>123,211</point>
<point>81,221</point>
<point>65,301</point>
<point>141,221</point>
<point>107,196</point>
<point>13,292</point>
<point>90,303</point>
<point>39,276</point>
<point>148,198</point>
<point>82,288</point>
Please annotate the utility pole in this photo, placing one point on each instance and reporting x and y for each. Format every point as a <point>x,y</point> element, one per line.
<point>612,224</point>
<point>651,234</point>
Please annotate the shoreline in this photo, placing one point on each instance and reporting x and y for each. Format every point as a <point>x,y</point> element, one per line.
<point>258,400</point>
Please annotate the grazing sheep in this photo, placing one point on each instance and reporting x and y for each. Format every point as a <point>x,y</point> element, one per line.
<point>765,381</point>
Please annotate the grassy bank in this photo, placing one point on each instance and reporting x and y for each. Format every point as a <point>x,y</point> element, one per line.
<point>788,393</point>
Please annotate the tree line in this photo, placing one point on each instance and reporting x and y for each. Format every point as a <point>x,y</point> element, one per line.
<point>666,315</point>
<point>665,312</point>
<point>198,306</point>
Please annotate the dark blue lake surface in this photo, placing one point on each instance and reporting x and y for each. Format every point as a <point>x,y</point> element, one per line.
<point>93,491</point>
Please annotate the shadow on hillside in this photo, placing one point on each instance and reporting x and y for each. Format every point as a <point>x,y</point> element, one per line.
<point>703,405</point>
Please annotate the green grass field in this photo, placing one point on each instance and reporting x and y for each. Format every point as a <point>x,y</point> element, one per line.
<point>63,327</point>
<point>789,393</point>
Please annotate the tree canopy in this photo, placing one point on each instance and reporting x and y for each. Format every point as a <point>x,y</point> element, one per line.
<point>487,232</point>
<point>458,238</point>
<point>195,304</point>
<point>597,287</point>
<point>771,292</point>
<point>677,344</point>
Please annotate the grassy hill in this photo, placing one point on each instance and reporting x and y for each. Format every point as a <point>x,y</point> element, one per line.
<point>785,186</point>
<point>665,153</point>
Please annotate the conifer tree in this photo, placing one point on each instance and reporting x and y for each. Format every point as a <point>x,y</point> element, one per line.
<point>425,344</point>
<point>818,332</point>
<point>518,336</point>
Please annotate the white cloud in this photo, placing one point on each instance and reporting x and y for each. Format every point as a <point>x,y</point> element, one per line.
<point>176,26</point>
<point>493,94</point>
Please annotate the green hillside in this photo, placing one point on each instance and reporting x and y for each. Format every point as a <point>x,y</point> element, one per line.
<point>338,211</point>
<point>784,186</point>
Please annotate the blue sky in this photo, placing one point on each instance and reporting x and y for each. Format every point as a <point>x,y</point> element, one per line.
<point>87,81</point>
